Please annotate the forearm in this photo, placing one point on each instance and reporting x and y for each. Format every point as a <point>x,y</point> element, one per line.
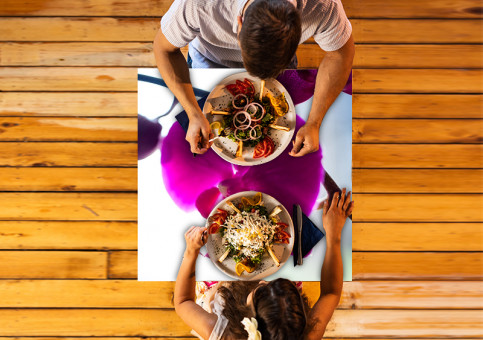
<point>174,70</point>
<point>331,78</point>
<point>332,270</point>
<point>186,280</point>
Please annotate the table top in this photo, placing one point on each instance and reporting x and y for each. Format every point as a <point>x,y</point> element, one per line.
<point>160,219</point>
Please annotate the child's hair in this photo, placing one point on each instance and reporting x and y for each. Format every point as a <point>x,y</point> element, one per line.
<point>280,309</point>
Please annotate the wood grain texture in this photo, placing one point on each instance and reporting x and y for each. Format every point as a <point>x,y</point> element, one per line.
<point>399,56</point>
<point>353,8</point>
<point>133,294</point>
<point>124,79</point>
<point>68,179</point>
<point>417,106</point>
<point>414,31</point>
<point>68,79</point>
<point>365,266</point>
<point>52,265</point>
<point>416,81</point>
<point>309,55</point>
<point>44,154</point>
<point>418,208</point>
<point>381,31</point>
<point>148,322</point>
<point>123,265</point>
<point>416,266</point>
<point>68,104</point>
<point>67,235</point>
<point>69,206</point>
<point>424,131</point>
<point>417,156</point>
<point>430,237</point>
<point>417,181</point>
<point>68,129</point>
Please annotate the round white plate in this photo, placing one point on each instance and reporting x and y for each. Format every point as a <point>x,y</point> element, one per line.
<point>266,267</point>
<point>219,99</point>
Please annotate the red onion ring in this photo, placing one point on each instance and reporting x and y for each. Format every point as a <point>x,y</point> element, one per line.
<point>254,128</point>
<point>242,124</point>
<point>238,138</point>
<point>252,114</point>
<point>237,96</point>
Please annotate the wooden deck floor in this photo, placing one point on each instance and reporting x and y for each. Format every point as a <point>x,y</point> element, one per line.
<point>68,180</point>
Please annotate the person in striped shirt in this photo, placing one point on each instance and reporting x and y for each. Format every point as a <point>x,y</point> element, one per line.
<point>261,36</point>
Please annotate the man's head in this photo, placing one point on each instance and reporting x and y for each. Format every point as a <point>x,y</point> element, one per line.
<point>269,36</point>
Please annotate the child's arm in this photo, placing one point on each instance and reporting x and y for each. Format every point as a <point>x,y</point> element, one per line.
<point>332,271</point>
<point>184,291</point>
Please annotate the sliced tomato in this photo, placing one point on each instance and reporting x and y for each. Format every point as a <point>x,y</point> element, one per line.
<point>233,89</point>
<point>283,234</point>
<point>270,146</point>
<point>213,228</point>
<point>260,149</point>
<point>281,224</point>
<point>222,213</point>
<point>251,88</point>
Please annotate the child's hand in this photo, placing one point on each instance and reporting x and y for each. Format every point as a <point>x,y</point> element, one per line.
<point>333,217</point>
<point>196,238</point>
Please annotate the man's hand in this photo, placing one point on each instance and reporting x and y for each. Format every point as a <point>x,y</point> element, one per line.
<point>306,141</point>
<point>199,133</point>
<point>333,217</point>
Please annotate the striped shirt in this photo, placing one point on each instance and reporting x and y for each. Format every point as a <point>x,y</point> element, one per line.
<point>210,28</point>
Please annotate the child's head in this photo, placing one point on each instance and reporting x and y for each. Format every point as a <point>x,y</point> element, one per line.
<point>279,309</point>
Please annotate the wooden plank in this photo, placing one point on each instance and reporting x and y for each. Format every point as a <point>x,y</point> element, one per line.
<point>397,56</point>
<point>417,106</point>
<point>412,9</point>
<point>417,156</point>
<point>418,208</point>
<point>430,237</point>
<point>67,235</point>
<point>345,323</point>
<point>52,265</point>
<point>69,206</point>
<point>423,131</point>
<point>40,154</point>
<point>417,181</point>
<point>416,31</point>
<point>79,29</point>
<point>123,265</point>
<point>353,8</point>
<point>68,129</point>
<point>77,54</point>
<point>380,31</point>
<point>124,79</point>
<point>68,179</point>
<point>416,81</point>
<point>68,79</point>
<point>365,266</point>
<point>68,104</point>
<point>416,266</point>
<point>134,294</point>
<point>309,55</point>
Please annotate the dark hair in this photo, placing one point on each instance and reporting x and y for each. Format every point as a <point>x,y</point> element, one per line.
<point>269,37</point>
<point>280,310</point>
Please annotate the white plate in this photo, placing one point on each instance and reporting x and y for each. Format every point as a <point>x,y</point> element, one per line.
<point>266,267</point>
<point>219,99</point>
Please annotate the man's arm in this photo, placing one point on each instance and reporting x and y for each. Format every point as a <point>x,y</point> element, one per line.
<point>174,70</point>
<point>331,79</point>
<point>184,291</point>
<point>331,276</point>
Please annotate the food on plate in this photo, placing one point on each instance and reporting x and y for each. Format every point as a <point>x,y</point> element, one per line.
<point>249,117</point>
<point>248,231</point>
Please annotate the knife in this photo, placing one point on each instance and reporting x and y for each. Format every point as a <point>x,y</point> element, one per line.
<point>299,234</point>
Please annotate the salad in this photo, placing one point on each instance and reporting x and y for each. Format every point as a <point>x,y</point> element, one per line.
<point>248,232</point>
<point>249,117</point>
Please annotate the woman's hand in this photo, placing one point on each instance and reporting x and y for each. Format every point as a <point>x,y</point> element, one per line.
<point>199,133</point>
<point>196,238</point>
<point>333,217</point>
